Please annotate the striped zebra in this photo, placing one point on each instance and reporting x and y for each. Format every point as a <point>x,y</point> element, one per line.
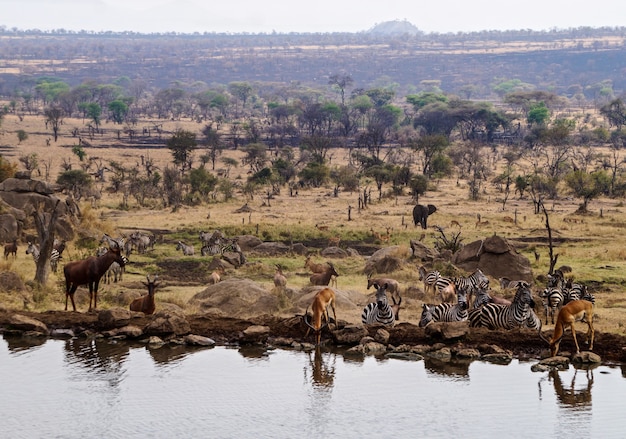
<point>533,321</point>
<point>577,292</point>
<point>33,250</point>
<point>552,302</point>
<point>495,316</point>
<point>445,312</point>
<point>482,298</point>
<point>380,311</point>
<point>115,270</point>
<point>472,283</point>
<point>429,279</point>
<point>187,249</point>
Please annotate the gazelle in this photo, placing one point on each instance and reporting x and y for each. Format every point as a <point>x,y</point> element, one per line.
<point>576,311</point>
<point>322,300</point>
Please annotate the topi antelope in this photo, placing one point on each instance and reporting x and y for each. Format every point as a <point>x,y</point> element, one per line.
<point>145,304</point>
<point>324,278</point>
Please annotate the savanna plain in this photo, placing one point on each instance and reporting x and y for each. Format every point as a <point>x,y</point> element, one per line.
<point>593,244</point>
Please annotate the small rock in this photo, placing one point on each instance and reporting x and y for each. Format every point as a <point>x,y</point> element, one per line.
<point>586,357</point>
<point>443,354</point>
<point>23,323</point>
<point>382,336</point>
<point>407,356</point>
<point>468,353</point>
<point>155,341</point>
<point>198,340</point>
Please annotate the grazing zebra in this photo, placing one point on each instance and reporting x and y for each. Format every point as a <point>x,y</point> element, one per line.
<point>446,312</point>
<point>380,311</point>
<point>495,316</point>
<point>187,249</point>
<point>578,292</point>
<point>33,250</point>
<point>429,279</point>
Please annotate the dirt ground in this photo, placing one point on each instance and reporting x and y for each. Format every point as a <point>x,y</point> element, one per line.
<point>524,344</point>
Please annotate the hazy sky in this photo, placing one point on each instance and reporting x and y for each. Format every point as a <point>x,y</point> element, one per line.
<point>255,16</point>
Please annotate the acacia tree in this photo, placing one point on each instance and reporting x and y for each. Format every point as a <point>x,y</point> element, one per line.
<point>54,118</point>
<point>341,81</point>
<point>587,186</point>
<point>182,144</point>
<point>213,143</point>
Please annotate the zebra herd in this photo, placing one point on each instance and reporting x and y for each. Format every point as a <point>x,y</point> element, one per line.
<point>474,303</point>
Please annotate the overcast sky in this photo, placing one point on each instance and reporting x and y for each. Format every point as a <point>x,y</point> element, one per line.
<point>256,16</point>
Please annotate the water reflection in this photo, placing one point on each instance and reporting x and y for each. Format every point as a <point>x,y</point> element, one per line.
<point>23,343</point>
<point>573,396</point>
<point>322,370</point>
<point>457,369</point>
<point>254,352</point>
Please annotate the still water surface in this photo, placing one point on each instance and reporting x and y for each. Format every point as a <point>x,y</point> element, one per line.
<point>98,389</point>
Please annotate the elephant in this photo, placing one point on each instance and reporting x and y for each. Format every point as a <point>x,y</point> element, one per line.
<point>421,212</point>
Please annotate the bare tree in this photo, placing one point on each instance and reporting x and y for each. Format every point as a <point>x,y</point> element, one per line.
<point>45,222</point>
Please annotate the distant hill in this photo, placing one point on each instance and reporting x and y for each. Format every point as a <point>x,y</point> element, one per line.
<point>395,27</point>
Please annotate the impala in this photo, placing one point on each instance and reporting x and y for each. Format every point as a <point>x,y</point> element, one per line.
<point>322,300</point>
<point>576,311</point>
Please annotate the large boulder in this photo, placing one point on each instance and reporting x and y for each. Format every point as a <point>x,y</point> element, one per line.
<point>236,297</point>
<point>22,195</point>
<point>387,260</point>
<point>496,258</point>
<point>9,228</point>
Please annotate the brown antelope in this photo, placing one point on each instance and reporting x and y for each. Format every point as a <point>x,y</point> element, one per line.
<point>280,281</point>
<point>324,278</point>
<point>314,267</point>
<point>216,276</point>
<point>322,228</point>
<point>334,241</point>
<point>376,235</point>
<point>576,311</point>
<point>322,300</point>
<point>455,223</point>
<point>145,304</point>
<point>393,287</point>
<point>10,249</point>
<point>89,271</point>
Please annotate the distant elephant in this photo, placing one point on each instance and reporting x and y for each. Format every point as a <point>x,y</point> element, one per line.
<point>421,212</point>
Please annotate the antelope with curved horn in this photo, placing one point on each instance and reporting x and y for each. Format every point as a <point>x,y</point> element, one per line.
<point>576,311</point>
<point>145,304</point>
<point>325,277</point>
<point>322,300</point>
<point>89,271</point>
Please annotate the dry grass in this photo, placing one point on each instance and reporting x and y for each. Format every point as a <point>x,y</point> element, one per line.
<point>594,248</point>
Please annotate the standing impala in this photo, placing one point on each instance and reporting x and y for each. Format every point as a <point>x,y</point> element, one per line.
<point>322,300</point>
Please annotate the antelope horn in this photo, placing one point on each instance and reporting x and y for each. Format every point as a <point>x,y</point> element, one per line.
<point>304,319</point>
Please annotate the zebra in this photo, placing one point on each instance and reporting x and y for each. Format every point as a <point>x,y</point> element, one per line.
<point>495,316</point>
<point>115,271</point>
<point>577,292</point>
<point>429,279</point>
<point>533,321</point>
<point>472,282</point>
<point>33,250</point>
<point>380,311</point>
<point>552,301</point>
<point>187,249</point>
<point>445,312</point>
<point>482,298</point>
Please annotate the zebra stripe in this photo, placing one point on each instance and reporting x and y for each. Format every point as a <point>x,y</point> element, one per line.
<point>446,312</point>
<point>552,302</point>
<point>474,281</point>
<point>482,298</point>
<point>495,316</point>
<point>33,250</point>
<point>578,292</point>
<point>379,311</point>
<point>533,321</point>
